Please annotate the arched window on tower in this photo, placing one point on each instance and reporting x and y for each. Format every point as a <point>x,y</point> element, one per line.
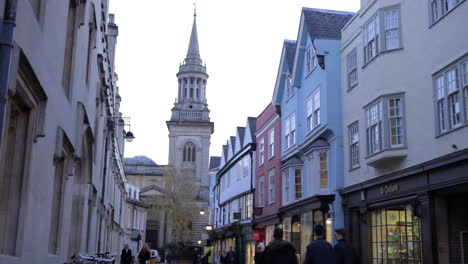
<point>189,152</point>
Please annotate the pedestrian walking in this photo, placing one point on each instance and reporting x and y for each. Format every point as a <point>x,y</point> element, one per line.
<point>223,257</point>
<point>344,252</point>
<point>126,257</point>
<point>319,251</point>
<point>144,255</point>
<point>280,251</point>
<point>231,256</point>
<point>259,254</point>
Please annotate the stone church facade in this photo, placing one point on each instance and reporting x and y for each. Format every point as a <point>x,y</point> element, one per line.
<point>190,131</point>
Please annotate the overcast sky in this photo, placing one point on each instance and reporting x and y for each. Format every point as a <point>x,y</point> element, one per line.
<point>240,42</point>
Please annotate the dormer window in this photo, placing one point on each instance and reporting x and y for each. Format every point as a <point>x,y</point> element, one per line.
<point>311,59</point>
<point>189,152</point>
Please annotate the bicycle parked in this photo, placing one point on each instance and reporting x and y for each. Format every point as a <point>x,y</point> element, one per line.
<point>98,258</point>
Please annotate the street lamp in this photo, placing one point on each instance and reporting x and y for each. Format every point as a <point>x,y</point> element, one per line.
<point>129,137</point>
<point>199,242</point>
<point>208,227</point>
<point>202,212</point>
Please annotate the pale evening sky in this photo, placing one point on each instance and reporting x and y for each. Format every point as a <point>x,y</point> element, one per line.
<point>240,42</point>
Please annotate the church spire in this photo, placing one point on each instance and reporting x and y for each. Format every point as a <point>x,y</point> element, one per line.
<point>191,104</point>
<point>193,49</point>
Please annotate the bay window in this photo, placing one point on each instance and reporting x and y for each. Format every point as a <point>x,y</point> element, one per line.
<point>385,126</point>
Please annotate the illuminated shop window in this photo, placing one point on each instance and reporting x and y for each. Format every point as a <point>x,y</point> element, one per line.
<point>396,236</point>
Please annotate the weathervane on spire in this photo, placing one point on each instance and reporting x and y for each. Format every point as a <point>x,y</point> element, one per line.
<point>194,9</point>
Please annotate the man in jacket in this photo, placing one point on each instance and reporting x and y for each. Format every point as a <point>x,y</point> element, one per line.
<point>280,251</point>
<point>319,251</point>
<point>343,250</point>
<point>126,257</point>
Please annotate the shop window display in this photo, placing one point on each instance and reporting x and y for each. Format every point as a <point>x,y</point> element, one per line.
<point>396,236</point>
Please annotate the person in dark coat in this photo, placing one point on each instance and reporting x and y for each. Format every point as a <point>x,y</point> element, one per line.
<point>231,256</point>
<point>259,254</point>
<point>344,252</point>
<point>280,251</point>
<point>319,251</point>
<point>126,256</point>
<point>144,255</point>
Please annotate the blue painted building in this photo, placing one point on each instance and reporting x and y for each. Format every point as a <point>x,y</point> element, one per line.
<point>308,91</point>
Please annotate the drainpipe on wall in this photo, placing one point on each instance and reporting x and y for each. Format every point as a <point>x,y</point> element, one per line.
<point>7,29</point>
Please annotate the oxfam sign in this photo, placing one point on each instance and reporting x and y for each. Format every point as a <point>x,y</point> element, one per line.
<point>390,188</point>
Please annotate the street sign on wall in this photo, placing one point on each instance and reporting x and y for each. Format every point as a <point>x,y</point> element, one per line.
<point>258,210</point>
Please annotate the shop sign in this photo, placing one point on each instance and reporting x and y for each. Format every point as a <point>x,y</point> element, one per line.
<point>390,188</point>
<point>258,235</point>
<point>258,210</point>
<point>237,216</point>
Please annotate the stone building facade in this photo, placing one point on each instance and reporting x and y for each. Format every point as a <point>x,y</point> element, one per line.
<point>61,172</point>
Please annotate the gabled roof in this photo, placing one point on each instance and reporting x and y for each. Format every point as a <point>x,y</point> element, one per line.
<point>325,24</point>
<point>225,152</point>
<point>233,144</point>
<point>214,162</point>
<point>156,190</point>
<point>287,59</point>
<point>252,122</point>
<point>241,132</point>
<point>290,46</point>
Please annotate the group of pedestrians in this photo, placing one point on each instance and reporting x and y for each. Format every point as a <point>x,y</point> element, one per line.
<point>319,251</point>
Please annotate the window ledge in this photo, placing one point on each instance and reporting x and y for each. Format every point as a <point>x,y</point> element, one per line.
<point>448,131</point>
<point>350,87</point>
<point>354,168</point>
<point>379,54</point>
<point>389,155</point>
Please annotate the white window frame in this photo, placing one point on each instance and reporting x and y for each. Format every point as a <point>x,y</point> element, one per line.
<point>351,67</point>
<point>371,39</point>
<point>313,110</point>
<point>271,143</point>
<point>353,142</point>
<point>261,152</point>
<point>380,119</point>
<point>298,194</point>
<point>391,28</point>
<point>285,185</point>
<point>261,190</point>
<point>374,118</point>
<point>271,186</point>
<point>311,59</point>
<point>290,131</point>
<point>451,97</point>
<point>321,171</point>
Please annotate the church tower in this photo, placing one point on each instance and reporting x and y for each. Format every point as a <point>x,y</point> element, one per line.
<point>190,128</point>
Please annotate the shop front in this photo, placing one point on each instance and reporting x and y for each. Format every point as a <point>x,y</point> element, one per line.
<point>299,220</point>
<point>265,226</point>
<point>415,216</point>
